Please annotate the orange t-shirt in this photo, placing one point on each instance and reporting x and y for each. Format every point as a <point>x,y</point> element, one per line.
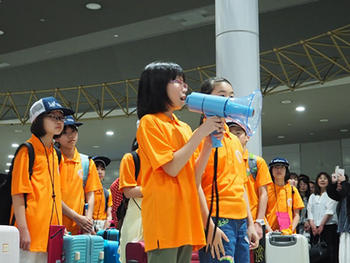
<point>73,191</point>
<point>262,178</point>
<point>127,172</point>
<point>231,177</point>
<point>39,191</point>
<point>100,212</point>
<point>171,214</point>
<point>281,199</point>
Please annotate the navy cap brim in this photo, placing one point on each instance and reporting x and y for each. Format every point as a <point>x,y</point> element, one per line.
<point>105,160</point>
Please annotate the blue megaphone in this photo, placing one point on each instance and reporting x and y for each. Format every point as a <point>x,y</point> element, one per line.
<point>247,110</point>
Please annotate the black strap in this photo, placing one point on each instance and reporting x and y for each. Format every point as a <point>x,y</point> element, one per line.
<point>106,194</point>
<point>58,152</point>
<point>136,158</point>
<point>214,187</point>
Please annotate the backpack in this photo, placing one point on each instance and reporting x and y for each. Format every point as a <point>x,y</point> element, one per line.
<point>121,211</point>
<point>85,163</point>
<point>5,184</point>
<point>253,166</point>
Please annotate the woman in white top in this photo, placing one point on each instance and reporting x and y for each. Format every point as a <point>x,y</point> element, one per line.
<point>322,217</point>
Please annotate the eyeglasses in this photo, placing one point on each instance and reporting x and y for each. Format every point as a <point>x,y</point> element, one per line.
<point>55,117</point>
<point>180,82</point>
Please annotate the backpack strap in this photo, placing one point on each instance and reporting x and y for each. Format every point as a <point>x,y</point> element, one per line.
<point>253,166</point>
<point>106,194</point>
<point>59,153</point>
<point>136,158</point>
<point>85,162</point>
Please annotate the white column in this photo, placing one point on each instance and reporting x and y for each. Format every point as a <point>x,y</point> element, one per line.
<point>237,50</point>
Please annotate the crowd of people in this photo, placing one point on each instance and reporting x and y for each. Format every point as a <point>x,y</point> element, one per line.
<point>183,193</point>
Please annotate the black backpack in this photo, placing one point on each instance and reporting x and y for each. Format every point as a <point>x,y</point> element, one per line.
<point>5,184</point>
<point>121,211</point>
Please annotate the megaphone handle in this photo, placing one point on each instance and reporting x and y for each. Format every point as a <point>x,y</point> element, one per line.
<point>215,141</point>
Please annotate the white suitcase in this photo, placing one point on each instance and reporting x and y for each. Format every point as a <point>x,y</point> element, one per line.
<point>9,244</point>
<point>287,249</point>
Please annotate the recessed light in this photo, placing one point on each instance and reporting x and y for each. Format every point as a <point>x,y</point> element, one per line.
<point>286,101</point>
<point>116,35</point>
<point>280,136</point>
<point>343,130</point>
<point>18,131</point>
<point>8,164</point>
<point>95,146</point>
<point>312,133</point>
<point>4,65</point>
<point>300,108</point>
<point>93,6</point>
<point>11,156</point>
<point>42,20</point>
<point>7,170</point>
<point>2,32</point>
<point>289,124</point>
<point>323,120</point>
<point>14,145</point>
<point>109,133</point>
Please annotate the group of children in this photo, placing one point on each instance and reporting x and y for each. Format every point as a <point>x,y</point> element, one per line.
<point>190,195</point>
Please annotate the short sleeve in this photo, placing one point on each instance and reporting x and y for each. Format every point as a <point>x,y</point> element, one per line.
<point>263,174</point>
<point>20,174</point>
<point>127,172</point>
<point>93,182</point>
<point>153,142</point>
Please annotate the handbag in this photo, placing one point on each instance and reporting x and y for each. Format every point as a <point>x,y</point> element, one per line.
<point>318,252</point>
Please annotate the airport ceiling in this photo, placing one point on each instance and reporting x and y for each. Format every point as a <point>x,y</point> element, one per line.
<point>33,32</point>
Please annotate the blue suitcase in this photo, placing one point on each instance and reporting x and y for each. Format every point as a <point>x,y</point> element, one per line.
<point>111,251</point>
<point>109,234</point>
<point>83,249</point>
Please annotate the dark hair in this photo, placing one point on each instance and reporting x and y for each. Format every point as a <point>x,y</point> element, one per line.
<point>152,94</point>
<point>208,86</point>
<point>134,145</point>
<point>286,177</point>
<point>305,176</point>
<point>37,127</point>
<point>317,188</point>
<point>306,181</point>
<point>294,175</point>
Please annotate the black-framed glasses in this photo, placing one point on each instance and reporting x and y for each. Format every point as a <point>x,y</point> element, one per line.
<point>55,117</point>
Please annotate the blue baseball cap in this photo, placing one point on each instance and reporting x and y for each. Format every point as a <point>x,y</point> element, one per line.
<point>101,159</point>
<point>69,120</point>
<point>46,105</point>
<point>279,161</point>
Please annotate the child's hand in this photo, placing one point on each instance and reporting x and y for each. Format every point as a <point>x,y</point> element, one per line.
<point>212,124</point>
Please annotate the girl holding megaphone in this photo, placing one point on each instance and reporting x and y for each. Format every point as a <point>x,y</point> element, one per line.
<point>225,172</point>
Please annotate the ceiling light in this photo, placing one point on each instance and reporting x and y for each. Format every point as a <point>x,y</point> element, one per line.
<point>11,156</point>
<point>300,108</point>
<point>343,130</point>
<point>280,136</point>
<point>2,32</point>
<point>8,164</point>
<point>7,170</point>
<point>18,131</point>
<point>14,145</point>
<point>323,120</point>
<point>116,35</point>
<point>286,101</point>
<point>4,65</point>
<point>312,133</point>
<point>109,133</point>
<point>42,20</point>
<point>289,124</point>
<point>93,6</point>
<point>95,146</point>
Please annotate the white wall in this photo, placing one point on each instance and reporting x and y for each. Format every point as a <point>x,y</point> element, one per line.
<point>312,158</point>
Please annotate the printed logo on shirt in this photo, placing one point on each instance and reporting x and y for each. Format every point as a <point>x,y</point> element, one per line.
<point>80,173</point>
<point>239,156</point>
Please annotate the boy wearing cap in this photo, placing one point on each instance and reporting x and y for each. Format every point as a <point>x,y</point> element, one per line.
<point>75,191</point>
<point>36,197</point>
<point>103,198</point>
<point>284,201</point>
<point>258,177</point>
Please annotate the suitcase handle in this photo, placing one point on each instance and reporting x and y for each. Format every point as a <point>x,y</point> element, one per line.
<point>282,241</point>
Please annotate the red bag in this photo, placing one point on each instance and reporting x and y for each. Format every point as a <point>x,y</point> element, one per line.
<point>136,251</point>
<point>55,244</point>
